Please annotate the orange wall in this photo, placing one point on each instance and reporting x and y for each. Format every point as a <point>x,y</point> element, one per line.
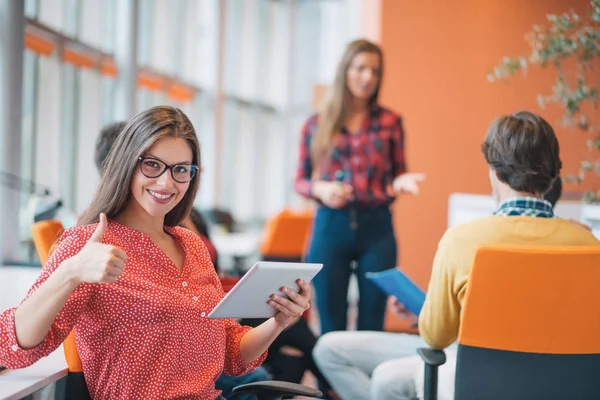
<point>437,55</point>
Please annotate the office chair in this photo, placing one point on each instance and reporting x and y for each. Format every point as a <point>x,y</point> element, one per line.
<point>285,236</point>
<point>530,326</point>
<point>45,234</point>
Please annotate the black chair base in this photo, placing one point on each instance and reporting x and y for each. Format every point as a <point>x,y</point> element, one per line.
<point>275,390</point>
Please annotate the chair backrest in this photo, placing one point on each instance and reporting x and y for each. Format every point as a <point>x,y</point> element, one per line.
<point>286,234</point>
<point>530,325</point>
<point>45,235</point>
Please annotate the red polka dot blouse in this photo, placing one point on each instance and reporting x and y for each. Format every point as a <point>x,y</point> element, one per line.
<point>147,336</point>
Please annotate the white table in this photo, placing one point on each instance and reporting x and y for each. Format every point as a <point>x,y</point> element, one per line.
<point>238,246</point>
<point>16,384</point>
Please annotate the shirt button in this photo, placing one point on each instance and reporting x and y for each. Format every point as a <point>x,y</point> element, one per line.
<point>14,347</point>
<point>203,314</point>
<point>184,284</point>
<point>195,298</point>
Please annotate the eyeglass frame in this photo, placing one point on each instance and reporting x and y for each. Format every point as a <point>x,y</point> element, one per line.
<point>194,168</point>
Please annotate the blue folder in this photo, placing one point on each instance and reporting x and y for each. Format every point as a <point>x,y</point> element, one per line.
<point>395,283</point>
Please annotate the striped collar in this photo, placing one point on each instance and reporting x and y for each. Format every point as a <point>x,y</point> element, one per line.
<point>525,206</point>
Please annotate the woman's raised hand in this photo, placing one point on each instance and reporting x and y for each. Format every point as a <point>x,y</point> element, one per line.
<point>98,262</point>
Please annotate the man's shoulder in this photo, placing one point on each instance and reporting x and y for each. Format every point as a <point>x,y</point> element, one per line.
<point>498,229</point>
<point>471,231</point>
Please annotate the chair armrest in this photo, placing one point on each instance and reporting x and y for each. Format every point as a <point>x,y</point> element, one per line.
<point>432,357</point>
<point>277,389</point>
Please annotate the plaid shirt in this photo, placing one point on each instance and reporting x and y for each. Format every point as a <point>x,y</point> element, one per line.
<point>368,160</point>
<point>526,206</point>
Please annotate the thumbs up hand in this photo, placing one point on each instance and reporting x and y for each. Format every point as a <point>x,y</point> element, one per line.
<point>98,262</point>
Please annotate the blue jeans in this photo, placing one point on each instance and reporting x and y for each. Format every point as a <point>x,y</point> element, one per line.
<point>364,235</point>
<point>226,383</point>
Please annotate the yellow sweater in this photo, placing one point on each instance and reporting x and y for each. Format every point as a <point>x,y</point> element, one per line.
<point>440,317</point>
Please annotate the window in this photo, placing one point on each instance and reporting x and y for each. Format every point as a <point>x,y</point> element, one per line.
<point>273,54</point>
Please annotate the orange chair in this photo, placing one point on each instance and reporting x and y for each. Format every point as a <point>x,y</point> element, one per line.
<point>530,326</point>
<point>286,235</point>
<point>45,235</point>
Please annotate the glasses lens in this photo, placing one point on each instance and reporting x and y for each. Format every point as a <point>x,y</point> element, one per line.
<point>182,173</point>
<point>152,168</point>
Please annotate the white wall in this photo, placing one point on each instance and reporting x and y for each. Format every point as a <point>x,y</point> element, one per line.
<point>465,207</point>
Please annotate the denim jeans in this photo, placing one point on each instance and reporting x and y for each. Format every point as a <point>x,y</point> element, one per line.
<point>226,383</point>
<point>379,366</point>
<point>359,234</point>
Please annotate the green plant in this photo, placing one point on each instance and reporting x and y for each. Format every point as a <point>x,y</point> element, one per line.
<point>570,44</point>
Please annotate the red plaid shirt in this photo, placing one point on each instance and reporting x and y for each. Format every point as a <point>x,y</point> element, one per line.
<point>368,161</point>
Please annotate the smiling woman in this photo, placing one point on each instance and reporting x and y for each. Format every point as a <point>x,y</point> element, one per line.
<point>135,287</point>
<point>140,138</point>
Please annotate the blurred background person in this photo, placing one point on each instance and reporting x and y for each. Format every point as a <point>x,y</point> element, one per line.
<point>352,163</point>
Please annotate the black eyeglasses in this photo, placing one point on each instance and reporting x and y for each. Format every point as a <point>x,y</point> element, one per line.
<point>153,168</point>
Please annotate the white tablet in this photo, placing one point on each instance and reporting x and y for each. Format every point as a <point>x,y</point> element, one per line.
<point>248,298</point>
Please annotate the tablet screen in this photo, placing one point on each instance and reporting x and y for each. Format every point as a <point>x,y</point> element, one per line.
<point>248,298</point>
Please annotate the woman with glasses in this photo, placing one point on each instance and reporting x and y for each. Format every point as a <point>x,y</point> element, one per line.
<point>135,287</point>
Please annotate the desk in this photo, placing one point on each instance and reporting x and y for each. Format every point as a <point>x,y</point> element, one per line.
<point>239,246</point>
<point>236,244</point>
<point>16,384</point>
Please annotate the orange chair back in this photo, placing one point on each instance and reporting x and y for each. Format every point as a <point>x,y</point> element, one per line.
<point>71,354</point>
<point>286,234</point>
<point>529,326</point>
<point>514,290</point>
<point>45,235</point>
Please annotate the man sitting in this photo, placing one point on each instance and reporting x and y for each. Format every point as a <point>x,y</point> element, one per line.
<point>522,153</point>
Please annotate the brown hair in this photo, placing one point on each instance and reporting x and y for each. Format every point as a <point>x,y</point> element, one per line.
<point>337,106</point>
<point>105,141</point>
<point>143,131</point>
<point>523,150</point>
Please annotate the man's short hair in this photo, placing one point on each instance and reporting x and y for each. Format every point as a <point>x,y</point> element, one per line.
<point>107,138</point>
<point>523,150</point>
<point>555,192</point>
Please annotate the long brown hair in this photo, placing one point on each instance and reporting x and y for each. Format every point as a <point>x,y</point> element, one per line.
<point>143,131</point>
<point>337,106</point>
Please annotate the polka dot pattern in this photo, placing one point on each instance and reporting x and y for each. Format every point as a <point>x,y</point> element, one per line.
<point>147,335</point>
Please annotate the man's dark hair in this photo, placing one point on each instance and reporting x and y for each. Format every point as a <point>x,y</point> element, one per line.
<point>555,192</point>
<point>107,137</point>
<point>199,222</point>
<point>523,150</point>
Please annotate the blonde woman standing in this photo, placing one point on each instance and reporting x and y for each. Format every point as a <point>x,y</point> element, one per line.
<point>352,163</point>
